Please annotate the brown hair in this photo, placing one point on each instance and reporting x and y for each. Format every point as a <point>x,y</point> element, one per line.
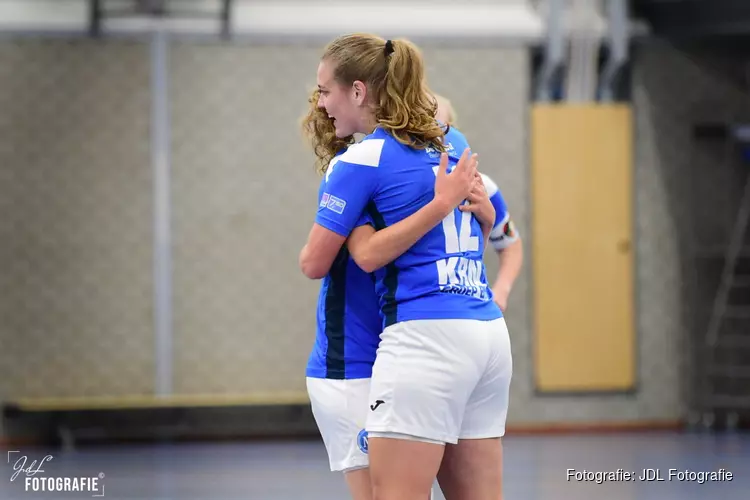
<point>394,73</point>
<point>319,130</point>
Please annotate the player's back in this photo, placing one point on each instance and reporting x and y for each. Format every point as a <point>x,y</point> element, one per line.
<point>443,275</point>
<point>348,320</point>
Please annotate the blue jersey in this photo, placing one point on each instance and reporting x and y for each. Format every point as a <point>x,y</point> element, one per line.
<point>442,276</point>
<point>348,318</point>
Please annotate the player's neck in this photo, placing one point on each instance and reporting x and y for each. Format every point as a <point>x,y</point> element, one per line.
<point>370,124</point>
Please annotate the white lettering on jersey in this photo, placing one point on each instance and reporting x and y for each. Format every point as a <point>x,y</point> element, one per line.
<point>453,243</point>
<point>434,153</point>
<point>461,276</point>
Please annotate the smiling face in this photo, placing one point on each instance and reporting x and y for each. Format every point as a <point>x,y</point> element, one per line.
<point>344,104</point>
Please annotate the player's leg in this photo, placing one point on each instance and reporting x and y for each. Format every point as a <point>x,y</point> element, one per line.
<point>403,467</point>
<point>423,375</point>
<point>361,487</point>
<point>472,469</point>
<point>340,409</point>
<point>358,481</point>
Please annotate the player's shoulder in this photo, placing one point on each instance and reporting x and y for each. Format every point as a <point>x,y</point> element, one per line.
<point>332,163</point>
<point>455,135</point>
<point>455,143</point>
<point>368,152</point>
<point>337,157</point>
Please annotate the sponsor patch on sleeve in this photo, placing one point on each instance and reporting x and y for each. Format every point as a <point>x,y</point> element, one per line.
<point>335,204</point>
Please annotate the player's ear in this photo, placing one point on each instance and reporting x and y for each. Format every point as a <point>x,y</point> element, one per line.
<point>359,92</point>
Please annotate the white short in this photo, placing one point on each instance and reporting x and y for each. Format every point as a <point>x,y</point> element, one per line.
<point>340,409</point>
<point>441,380</point>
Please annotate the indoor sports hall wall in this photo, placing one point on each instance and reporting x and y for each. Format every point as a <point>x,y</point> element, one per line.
<point>76,195</point>
<point>75,230</point>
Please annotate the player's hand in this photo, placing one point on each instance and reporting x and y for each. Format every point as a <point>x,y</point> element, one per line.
<point>454,187</point>
<point>500,295</point>
<point>479,203</point>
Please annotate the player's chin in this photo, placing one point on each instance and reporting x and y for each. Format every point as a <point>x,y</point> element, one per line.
<point>342,131</point>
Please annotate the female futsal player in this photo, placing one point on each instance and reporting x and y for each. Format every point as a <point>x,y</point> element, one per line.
<point>443,368</point>
<point>349,325</point>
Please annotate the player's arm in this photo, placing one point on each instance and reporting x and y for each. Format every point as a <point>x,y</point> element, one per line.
<point>486,231</point>
<point>373,249</point>
<point>347,192</point>
<point>511,262</point>
<point>508,246</point>
<point>319,252</point>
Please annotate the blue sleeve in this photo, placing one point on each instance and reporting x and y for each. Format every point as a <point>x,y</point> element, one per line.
<point>350,184</point>
<point>365,220</point>
<point>504,232</point>
<point>501,209</point>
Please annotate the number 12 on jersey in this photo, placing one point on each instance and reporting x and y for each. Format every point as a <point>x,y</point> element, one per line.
<point>455,242</point>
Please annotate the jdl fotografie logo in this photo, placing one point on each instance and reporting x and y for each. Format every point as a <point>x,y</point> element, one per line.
<point>32,474</point>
